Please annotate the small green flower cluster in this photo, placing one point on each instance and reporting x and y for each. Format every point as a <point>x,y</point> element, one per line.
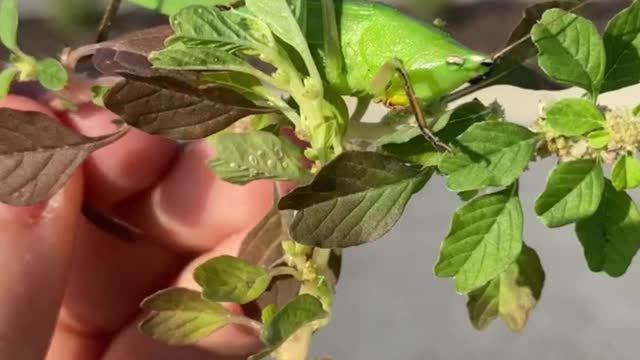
<point>620,136</point>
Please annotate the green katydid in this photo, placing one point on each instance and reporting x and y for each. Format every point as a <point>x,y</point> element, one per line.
<point>363,45</point>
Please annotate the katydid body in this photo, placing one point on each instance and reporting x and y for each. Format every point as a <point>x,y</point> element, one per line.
<point>371,35</point>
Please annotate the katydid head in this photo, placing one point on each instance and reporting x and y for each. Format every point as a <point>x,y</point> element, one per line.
<point>435,78</point>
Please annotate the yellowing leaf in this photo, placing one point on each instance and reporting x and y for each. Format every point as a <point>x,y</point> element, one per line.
<point>511,295</point>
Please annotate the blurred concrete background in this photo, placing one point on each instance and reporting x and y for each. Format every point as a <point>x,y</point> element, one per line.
<point>389,306</point>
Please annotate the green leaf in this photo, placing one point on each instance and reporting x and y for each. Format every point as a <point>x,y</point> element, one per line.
<point>416,150</point>
<point>599,139</point>
<point>570,50</point>
<point>622,44</point>
<point>626,173</point>
<point>610,237</point>
<point>511,295</point>
<point>181,316</point>
<point>356,198</point>
<point>233,31</point>
<point>488,154</point>
<point>9,24</point>
<point>277,14</point>
<point>229,279</point>
<point>170,7</point>
<point>467,195</point>
<point>573,117</point>
<point>572,193</point>
<point>268,313</point>
<point>6,79</point>
<point>244,157</point>
<point>484,239</point>
<point>301,311</point>
<point>98,92</point>
<point>458,120</point>
<point>51,74</point>
<point>196,57</point>
<point>400,135</point>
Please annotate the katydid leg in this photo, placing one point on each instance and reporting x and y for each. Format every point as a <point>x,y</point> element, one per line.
<point>381,80</point>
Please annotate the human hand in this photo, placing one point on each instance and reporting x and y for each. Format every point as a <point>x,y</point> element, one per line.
<point>69,291</point>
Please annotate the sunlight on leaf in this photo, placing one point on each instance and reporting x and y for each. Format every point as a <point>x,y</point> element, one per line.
<point>570,50</point>
<point>626,173</point>
<point>181,316</point>
<point>488,154</point>
<point>572,193</point>
<point>484,239</point>
<point>573,117</point>
<point>229,279</point>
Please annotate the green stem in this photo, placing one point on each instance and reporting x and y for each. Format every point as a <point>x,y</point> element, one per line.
<point>297,346</point>
<point>285,270</point>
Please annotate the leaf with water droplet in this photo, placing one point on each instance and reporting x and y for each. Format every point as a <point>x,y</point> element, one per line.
<point>280,159</point>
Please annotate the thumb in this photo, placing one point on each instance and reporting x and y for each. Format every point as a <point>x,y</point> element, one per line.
<point>35,250</point>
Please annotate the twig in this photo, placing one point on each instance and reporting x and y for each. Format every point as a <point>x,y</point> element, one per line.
<point>107,19</point>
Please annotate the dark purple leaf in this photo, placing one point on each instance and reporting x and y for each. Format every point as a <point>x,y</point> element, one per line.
<point>173,108</point>
<point>38,155</point>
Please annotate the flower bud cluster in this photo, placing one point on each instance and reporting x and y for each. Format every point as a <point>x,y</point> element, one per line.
<point>622,126</point>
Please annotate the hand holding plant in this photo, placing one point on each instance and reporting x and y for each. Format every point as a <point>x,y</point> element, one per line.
<point>244,74</point>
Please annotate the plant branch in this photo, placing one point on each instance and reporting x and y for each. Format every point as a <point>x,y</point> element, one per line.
<point>285,270</point>
<point>107,19</point>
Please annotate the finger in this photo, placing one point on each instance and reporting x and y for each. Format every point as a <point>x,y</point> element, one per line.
<point>231,342</point>
<point>190,207</point>
<point>113,276</point>
<point>68,344</point>
<point>122,169</point>
<point>35,251</point>
<point>192,210</point>
<point>25,104</point>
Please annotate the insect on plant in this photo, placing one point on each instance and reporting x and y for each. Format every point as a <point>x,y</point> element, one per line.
<point>246,75</point>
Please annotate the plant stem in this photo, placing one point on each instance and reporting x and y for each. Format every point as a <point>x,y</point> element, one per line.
<point>105,24</point>
<point>285,270</point>
<point>297,347</point>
